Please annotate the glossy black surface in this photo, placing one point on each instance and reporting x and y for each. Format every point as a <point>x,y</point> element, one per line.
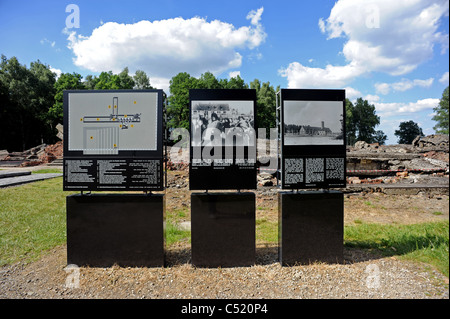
<point>107,229</point>
<point>311,227</point>
<point>223,229</point>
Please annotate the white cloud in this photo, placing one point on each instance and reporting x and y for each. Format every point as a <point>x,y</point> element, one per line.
<point>58,72</point>
<point>371,98</point>
<point>255,16</point>
<point>234,74</point>
<point>403,85</point>
<point>166,47</point>
<point>45,40</point>
<point>406,84</point>
<point>392,37</point>
<point>401,39</point>
<point>390,109</point>
<point>160,83</point>
<point>445,78</point>
<point>322,25</point>
<point>382,88</point>
<point>300,76</point>
<point>351,93</point>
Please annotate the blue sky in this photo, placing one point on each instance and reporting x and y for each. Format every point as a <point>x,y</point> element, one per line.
<point>392,53</point>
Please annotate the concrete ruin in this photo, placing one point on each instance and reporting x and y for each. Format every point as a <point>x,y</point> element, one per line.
<point>425,154</point>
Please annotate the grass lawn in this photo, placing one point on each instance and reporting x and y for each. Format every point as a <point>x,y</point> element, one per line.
<point>33,220</point>
<point>47,171</point>
<point>425,242</point>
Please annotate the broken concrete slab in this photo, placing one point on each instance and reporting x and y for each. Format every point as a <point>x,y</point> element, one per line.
<point>9,174</point>
<point>14,181</point>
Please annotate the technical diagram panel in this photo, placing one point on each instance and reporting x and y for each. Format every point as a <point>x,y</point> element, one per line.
<point>113,140</point>
<point>112,122</point>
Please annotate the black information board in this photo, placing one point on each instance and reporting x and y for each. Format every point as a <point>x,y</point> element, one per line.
<point>223,139</point>
<point>113,140</point>
<point>313,146</point>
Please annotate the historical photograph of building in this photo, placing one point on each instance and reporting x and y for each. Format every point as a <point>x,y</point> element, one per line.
<point>217,123</point>
<point>313,123</point>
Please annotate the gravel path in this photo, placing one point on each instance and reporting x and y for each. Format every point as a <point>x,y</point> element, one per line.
<point>362,276</point>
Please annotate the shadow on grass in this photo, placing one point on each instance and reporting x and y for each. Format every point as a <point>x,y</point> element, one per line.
<point>392,240</point>
<point>427,242</point>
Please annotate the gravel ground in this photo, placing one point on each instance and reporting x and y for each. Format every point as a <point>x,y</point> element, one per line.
<point>362,275</point>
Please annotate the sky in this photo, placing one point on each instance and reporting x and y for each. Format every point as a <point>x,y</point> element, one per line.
<point>395,54</point>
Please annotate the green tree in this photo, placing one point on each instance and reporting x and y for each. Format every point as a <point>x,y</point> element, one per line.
<point>364,121</point>
<point>233,83</point>
<point>110,81</point>
<point>380,137</point>
<point>208,81</point>
<point>42,97</point>
<point>29,95</point>
<point>407,132</point>
<point>350,127</point>
<point>141,81</point>
<point>125,80</point>
<point>90,82</point>
<point>66,81</point>
<point>8,118</point>
<point>178,101</point>
<point>442,114</point>
<point>265,104</point>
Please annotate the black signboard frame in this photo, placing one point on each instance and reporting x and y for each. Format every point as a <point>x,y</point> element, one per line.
<point>122,170</point>
<point>310,164</point>
<point>233,175</point>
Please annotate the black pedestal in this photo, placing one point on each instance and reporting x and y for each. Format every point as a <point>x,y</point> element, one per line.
<point>311,227</point>
<point>223,229</point>
<point>127,230</point>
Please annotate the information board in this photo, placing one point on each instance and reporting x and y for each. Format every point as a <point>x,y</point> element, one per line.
<point>313,146</point>
<point>223,139</point>
<point>113,140</point>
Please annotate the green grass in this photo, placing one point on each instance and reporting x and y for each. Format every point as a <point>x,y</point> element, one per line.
<point>266,231</point>
<point>174,234</point>
<point>47,171</point>
<point>426,242</point>
<point>32,220</point>
<point>176,215</point>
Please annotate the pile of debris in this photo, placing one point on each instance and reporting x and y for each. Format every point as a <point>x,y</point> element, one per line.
<point>41,154</point>
<point>38,155</point>
<point>173,166</point>
<point>52,153</point>
<point>428,154</point>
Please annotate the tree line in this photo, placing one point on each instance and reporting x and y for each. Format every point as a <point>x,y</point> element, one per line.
<point>31,102</point>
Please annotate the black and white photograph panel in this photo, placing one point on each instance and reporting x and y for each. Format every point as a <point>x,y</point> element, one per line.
<point>313,123</point>
<point>222,123</point>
